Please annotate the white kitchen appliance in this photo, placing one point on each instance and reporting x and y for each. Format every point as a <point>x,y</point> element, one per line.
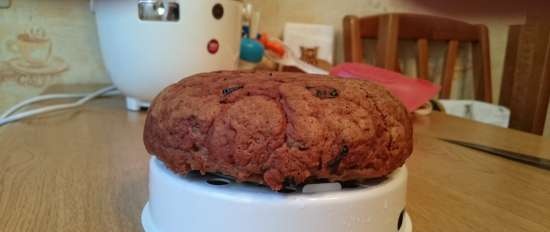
<point>149,44</point>
<point>211,203</point>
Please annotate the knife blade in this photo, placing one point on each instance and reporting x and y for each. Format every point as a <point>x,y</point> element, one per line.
<point>518,157</point>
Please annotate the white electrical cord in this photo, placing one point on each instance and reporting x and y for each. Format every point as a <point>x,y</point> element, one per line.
<point>5,118</point>
<point>29,101</point>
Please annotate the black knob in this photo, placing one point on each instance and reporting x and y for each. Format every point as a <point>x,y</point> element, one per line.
<point>217,11</point>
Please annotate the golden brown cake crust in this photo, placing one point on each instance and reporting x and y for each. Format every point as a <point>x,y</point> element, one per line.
<point>277,128</point>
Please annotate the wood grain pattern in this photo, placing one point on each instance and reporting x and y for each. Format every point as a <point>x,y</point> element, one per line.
<point>509,65</point>
<point>86,170</point>
<point>527,90</point>
<point>75,170</point>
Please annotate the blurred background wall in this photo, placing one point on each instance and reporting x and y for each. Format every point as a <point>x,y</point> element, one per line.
<point>75,57</point>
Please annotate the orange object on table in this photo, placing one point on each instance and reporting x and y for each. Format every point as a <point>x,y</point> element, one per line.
<point>271,45</point>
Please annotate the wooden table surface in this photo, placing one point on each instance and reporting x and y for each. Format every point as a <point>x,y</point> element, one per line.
<point>86,170</point>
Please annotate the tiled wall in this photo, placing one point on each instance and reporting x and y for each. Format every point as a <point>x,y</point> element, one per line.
<point>29,29</point>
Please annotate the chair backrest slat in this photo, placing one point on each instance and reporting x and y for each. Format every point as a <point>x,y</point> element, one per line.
<point>449,69</point>
<point>482,66</point>
<point>510,59</point>
<point>388,38</point>
<point>423,59</point>
<point>354,45</point>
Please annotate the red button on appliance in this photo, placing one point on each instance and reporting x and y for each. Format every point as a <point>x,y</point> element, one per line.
<point>213,46</point>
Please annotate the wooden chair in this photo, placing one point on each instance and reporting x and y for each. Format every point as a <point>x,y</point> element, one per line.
<point>525,85</point>
<point>388,29</point>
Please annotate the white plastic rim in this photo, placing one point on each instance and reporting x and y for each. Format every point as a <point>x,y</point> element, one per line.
<point>148,225</point>
<point>190,203</point>
<point>133,104</point>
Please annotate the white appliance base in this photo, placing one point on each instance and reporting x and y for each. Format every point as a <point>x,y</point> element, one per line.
<point>133,104</point>
<point>148,226</point>
<point>211,203</point>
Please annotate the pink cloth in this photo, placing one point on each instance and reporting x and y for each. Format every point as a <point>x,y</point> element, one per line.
<point>413,93</point>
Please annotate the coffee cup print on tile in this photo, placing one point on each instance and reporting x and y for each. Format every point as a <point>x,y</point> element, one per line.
<point>34,62</point>
<point>34,54</point>
<point>34,47</point>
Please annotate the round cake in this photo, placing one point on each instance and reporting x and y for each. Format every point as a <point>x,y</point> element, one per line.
<point>277,128</point>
